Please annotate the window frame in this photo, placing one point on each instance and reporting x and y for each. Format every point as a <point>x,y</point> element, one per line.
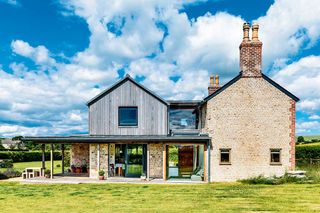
<point>137,115</point>
<point>229,152</point>
<point>275,150</point>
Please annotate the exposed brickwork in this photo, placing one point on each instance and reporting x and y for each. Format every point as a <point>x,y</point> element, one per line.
<point>156,160</point>
<point>293,134</point>
<point>251,58</point>
<point>79,154</point>
<point>250,117</point>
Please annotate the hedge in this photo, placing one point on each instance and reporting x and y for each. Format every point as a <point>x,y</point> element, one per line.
<point>307,151</point>
<point>27,156</point>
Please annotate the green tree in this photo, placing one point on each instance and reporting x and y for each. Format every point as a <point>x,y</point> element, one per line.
<point>300,139</point>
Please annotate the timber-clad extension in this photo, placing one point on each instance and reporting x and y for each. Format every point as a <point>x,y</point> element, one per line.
<point>242,129</point>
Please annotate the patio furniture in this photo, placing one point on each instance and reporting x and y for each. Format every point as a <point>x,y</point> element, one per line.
<point>32,172</point>
<point>198,175</point>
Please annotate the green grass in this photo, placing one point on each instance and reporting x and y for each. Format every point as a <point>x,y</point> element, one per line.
<point>309,144</point>
<point>217,197</point>
<point>20,166</point>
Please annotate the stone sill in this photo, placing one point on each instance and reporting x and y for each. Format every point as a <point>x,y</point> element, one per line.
<point>224,164</point>
<point>275,164</point>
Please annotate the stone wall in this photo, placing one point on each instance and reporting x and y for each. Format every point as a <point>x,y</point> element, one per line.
<point>79,154</point>
<point>156,160</point>
<point>103,160</point>
<point>250,117</point>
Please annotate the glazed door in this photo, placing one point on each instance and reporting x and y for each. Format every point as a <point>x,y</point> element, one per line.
<point>135,160</point>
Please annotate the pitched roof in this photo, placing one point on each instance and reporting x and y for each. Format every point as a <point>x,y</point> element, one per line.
<point>235,79</point>
<point>119,83</point>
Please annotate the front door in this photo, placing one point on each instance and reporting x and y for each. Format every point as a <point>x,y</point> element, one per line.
<point>135,160</point>
<point>186,161</point>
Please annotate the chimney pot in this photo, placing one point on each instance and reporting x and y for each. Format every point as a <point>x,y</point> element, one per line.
<point>211,80</point>
<point>246,28</point>
<point>255,32</point>
<point>217,80</point>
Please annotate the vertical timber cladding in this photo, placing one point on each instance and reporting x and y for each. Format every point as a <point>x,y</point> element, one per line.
<point>152,113</point>
<point>156,160</point>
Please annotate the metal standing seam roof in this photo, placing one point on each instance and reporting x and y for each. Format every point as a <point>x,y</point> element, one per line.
<point>119,83</point>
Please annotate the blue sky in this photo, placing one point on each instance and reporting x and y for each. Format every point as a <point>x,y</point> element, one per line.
<point>55,55</point>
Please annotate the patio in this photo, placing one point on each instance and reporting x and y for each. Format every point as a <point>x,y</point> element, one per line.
<point>59,179</point>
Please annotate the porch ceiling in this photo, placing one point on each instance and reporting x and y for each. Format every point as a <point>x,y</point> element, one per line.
<point>203,139</point>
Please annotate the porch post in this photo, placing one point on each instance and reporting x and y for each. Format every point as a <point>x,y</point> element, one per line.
<point>205,163</point>
<point>43,166</point>
<point>62,154</point>
<point>164,156</point>
<point>209,159</point>
<point>148,162</point>
<point>51,162</point>
<point>98,157</point>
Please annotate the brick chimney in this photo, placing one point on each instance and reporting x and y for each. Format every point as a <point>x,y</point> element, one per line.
<point>250,52</point>
<point>214,84</point>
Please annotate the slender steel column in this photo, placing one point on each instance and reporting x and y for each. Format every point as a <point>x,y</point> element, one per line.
<point>51,162</point>
<point>62,154</point>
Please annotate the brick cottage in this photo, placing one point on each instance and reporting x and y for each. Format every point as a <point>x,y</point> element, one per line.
<point>242,129</point>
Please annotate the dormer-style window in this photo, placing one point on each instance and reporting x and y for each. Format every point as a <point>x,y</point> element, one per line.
<point>128,116</point>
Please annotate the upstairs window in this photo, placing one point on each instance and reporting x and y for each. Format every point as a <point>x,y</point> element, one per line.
<point>182,119</point>
<point>128,116</point>
<point>275,156</point>
<point>225,156</point>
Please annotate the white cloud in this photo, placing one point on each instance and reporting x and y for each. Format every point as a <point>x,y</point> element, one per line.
<point>302,78</point>
<point>14,3</point>
<point>288,27</point>
<point>39,54</point>
<point>314,117</point>
<point>156,43</point>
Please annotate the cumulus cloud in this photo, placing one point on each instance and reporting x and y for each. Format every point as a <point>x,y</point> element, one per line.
<point>39,54</point>
<point>160,46</point>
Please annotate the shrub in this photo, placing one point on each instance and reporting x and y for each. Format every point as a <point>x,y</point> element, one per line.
<point>307,151</point>
<point>66,159</point>
<point>277,180</point>
<point>58,165</point>
<point>10,173</point>
<point>101,173</point>
<point>7,163</point>
<point>300,139</point>
<point>27,156</point>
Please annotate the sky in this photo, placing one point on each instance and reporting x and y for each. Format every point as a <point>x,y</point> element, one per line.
<point>56,55</point>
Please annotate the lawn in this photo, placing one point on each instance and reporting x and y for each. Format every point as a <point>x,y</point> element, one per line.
<point>20,166</point>
<point>216,197</point>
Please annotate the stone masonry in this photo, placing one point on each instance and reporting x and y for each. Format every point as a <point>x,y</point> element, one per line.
<point>103,160</point>
<point>250,117</point>
<point>156,160</point>
<point>79,154</point>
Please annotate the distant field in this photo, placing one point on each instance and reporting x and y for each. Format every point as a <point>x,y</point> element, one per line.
<point>309,137</point>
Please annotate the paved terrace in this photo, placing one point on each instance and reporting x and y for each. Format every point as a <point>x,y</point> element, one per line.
<point>82,180</point>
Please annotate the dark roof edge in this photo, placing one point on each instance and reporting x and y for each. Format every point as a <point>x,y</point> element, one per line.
<point>114,139</point>
<point>119,83</point>
<point>220,90</point>
<point>275,84</point>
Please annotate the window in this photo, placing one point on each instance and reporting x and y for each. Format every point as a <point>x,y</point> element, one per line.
<point>275,156</point>
<point>225,156</point>
<point>128,116</point>
<point>182,119</point>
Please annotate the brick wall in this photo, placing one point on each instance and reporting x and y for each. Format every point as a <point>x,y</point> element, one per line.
<point>250,117</point>
<point>156,160</point>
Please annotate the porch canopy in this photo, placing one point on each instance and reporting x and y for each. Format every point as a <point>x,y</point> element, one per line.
<point>183,139</point>
<point>202,139</point>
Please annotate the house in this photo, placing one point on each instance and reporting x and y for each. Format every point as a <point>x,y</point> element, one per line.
<point>242,129</point>
<point>8,143</point>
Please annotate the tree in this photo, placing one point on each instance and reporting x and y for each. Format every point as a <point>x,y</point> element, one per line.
<point>301,139</point>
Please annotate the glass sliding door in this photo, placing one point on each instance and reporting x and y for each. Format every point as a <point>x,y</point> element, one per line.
<point>135,160</point>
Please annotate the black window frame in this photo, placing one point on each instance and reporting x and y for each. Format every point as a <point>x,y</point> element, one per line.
<point>228,150</point>
<point>127,125</point>
<point>272,151</point>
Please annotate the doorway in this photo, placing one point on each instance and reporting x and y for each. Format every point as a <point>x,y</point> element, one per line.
<point>129,160</point>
